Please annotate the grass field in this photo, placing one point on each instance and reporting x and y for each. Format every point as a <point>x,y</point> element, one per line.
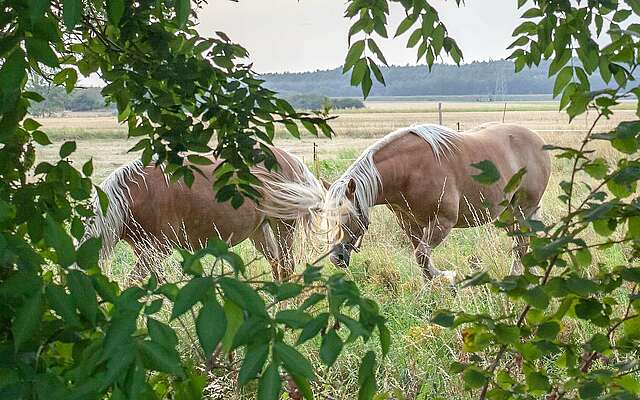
<point>417,366</point>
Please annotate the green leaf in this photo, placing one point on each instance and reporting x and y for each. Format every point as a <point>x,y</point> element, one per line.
<point>293,361</point>
<point>366,377</point>
<point>385,338</point>
<point>295,319</point>
<point>253,362</point>
<point>233,314</point>
<point>514,182</point>
<point>183,9</point>
<point>353,55</point>
<point>597,168</point>
<point>30,124</point>
<point>87,168</point>
<point>443,318</point>
<point>39,50</point>
<point>88,253</point>
<point>313,327</point>
<point>63,304</point>
<point>162,334</point>
<point>583,258</point>
<point>489,173</point>
<point>41,138</point>
<point>548,330</point>
<point>38,7</point>
<point>190,294</point>
<point>160,359</point>
<point>507,334</point>
<point>58,238</point>
<point>115,11</point>
<point>211,325</point>
<point>244,295</point>
<point>27,319</point>
<point>562,80</point>
<point>269,386</point>
<point>474,377</point>
<point>72,12</point>
<point>405,25</point>
<point>631,328</point>
<point>84,294</point>
<point>67,148</point>
<point>330,348</point>
<point>536,297</point>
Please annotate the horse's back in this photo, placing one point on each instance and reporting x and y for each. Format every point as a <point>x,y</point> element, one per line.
<point>172,211</point>
<point>510,148</point>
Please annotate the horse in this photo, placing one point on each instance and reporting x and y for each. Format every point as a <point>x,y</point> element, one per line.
<point>423,173</point>
<point>153,214</point>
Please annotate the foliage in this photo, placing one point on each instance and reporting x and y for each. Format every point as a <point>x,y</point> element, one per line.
<point>485,79</point>
<point>66,329</point>
<point>70,332</point>
<point>522,352</point>
<point>317,102</point>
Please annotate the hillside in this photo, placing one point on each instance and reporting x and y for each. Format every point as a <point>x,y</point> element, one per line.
<point>491,78</point>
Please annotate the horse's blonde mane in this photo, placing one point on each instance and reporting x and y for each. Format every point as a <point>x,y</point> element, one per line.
<point>366,176</point>
<point>298,198</point>
<point>110,226</point>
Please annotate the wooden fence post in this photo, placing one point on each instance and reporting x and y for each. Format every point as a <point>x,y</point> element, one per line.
<point>440,113</point>
<point>316,162</point>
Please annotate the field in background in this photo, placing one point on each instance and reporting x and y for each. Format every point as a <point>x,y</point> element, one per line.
<point>384,269</point>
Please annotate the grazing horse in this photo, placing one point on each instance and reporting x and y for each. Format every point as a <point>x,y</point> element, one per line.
<point>153,214</point>
<point>424,175</point>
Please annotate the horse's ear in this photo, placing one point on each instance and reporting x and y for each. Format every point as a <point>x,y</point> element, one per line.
<point>325,183</point>
<point>351,186</point>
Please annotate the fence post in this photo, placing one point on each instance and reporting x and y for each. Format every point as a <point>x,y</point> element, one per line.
<point>504,112</point>
<point>458,126</point>
<point>316,163</point>
<point>440,113</point>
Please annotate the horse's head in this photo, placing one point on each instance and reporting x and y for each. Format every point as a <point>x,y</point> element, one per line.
<point>349,220</point>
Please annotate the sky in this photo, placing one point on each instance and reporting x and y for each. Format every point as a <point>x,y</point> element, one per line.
<point>306,35</point>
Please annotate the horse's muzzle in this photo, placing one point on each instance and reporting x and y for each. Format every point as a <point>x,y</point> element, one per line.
<point>340,256</point>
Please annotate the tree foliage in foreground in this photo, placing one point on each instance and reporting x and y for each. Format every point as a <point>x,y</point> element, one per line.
<point>68,331</point>
<point>528,350</point>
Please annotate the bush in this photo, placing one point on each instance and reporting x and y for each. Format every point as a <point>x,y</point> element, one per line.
<point>318,102</point>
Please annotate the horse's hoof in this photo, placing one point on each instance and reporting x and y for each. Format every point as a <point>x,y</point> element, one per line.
<point>450,276</point>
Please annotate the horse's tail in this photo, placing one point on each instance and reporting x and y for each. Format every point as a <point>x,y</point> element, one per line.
<point>110,226</point>
<point>298,198</point>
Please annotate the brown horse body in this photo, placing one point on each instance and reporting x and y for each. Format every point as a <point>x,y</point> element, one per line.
<point>154,215</point>
<point>424,175</point>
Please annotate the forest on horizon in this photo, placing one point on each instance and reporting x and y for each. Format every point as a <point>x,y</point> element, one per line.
<point>491,79</point>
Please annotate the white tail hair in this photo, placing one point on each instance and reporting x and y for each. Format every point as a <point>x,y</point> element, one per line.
<point>365,174</point>
<point>110,226</point>
<point>299,198</point>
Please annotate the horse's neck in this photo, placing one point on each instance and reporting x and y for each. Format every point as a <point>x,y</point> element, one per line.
<point>392,177</point>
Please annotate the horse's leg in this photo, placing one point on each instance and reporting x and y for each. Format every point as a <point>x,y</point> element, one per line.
<point>148,254</point>
<point>275,240</point>
<point>520,242</point>
<point>284,232</point>
<point>264,241</point>
<point>424,240</point>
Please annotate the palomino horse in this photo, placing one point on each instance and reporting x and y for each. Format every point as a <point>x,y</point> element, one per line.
<point>424,175</point>
<point>153,215</point>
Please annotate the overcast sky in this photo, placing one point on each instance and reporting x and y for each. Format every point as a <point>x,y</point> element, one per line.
<point>304,35</point>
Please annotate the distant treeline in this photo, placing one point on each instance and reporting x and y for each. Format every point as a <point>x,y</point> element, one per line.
<point>317,102</point>
<point>56,100</point>
<point>490,78</point>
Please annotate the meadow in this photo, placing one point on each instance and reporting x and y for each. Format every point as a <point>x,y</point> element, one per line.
<point>384,269</point>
